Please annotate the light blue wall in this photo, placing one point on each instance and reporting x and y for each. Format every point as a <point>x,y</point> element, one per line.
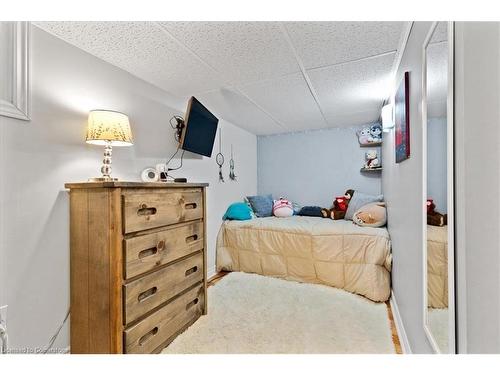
<point>313,167</point>
<point>436,162</point>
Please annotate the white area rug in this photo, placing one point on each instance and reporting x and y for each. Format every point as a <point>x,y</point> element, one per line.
<point>438,324</point>
<point>249,313</point>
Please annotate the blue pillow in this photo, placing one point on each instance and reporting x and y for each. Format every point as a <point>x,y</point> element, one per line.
<point>262,205</point>
<point>310,211</point>
<point>237,211</point>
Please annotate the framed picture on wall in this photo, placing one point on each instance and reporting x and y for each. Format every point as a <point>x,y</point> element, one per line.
<point>402,119</point>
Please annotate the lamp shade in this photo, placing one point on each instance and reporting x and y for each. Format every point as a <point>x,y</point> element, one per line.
<point>108,127</point>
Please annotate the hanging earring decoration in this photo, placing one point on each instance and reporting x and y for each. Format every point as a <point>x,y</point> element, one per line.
<point>232,176</point>
<point>219,158</point>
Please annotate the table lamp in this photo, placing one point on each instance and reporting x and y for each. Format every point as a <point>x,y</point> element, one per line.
<point>108,129</point>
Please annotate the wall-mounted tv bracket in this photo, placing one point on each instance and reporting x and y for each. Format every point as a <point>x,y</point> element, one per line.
<point>178,126</point>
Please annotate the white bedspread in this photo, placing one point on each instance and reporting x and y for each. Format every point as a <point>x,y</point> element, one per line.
<point>310,249</point>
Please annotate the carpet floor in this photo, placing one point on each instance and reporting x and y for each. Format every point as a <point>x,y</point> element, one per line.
<point>438,324</point>
<point>249,313</point>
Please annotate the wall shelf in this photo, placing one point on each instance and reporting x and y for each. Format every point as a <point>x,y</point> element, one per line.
<point>374,144</point>
<point>370,169</point>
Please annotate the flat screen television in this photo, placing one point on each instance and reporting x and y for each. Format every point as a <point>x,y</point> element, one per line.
<point>200,127</point>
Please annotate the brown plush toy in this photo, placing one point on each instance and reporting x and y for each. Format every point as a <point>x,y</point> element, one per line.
<point>433,217</point>
<point>339,208</point>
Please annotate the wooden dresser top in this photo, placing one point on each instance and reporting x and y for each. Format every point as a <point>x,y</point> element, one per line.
<point>132,184</point>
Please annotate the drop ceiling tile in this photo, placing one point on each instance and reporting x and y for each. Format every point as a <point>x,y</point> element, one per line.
<point>140,48</point>
<point>242,51</point>
<point>346,120</point>
<point>288,100</point>
<point>327,43</point>
<point>356,87</point>
<point>235,108</point>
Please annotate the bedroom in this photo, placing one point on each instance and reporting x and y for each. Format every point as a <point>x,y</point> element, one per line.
<point>364,134</point>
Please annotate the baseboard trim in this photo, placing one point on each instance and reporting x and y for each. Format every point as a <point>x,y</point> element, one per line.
<point>403,338</point>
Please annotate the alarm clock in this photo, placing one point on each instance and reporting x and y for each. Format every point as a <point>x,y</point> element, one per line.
<point>150,175</point>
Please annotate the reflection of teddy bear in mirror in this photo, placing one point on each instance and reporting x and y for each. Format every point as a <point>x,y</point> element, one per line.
<point>433,217</point>
<point>372,160</point>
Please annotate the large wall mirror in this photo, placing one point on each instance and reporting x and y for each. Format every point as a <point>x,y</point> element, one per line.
<point>14,69</point>
<point>439,250</point>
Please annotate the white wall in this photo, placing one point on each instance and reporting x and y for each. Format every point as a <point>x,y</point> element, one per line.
<point>477,153</point>
<point>477,191</point>
<point>313,167</point>
<point>38,157</point>
<point>402,188</point>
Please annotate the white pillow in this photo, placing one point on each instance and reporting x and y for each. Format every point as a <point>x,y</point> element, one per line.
<point>358,200</point>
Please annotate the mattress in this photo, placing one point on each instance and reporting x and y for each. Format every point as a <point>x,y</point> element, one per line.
<point>437,267</point>
<point>337,253</point>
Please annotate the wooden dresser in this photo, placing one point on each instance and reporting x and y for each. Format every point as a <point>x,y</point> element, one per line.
<point>138,264</point>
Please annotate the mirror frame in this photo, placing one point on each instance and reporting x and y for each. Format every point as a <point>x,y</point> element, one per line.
<point>19,105</point>
<point>450,190</point>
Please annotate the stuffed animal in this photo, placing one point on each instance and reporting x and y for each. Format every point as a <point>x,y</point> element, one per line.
<point>282,208</point>
<point>371,215</point>
<point>372,160</point>
<point>339,208</point>
<point>433,217</point>
<point>364,136</point>
<point>376,133</point>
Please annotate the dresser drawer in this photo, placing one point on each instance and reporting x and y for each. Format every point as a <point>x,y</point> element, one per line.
<point>157,207</point>
<point>150,291</point>
<point>146,252</point>
<point>161,326</point>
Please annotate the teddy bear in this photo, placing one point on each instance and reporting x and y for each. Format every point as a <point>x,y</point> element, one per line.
<point>435,218</point>
<point>376,133</point>
<point>364,136</point>
<point>371,215</point>
<point>339,208</point>
<point>372,160</point>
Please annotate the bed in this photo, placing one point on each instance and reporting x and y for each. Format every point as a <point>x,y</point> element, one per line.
<point>437,267</point>
<point>337,253</point>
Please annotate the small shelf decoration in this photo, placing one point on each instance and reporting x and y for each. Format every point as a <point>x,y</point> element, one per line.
<point>372,161</point>
<point>219,158</point>
<point>370,136</point>
<point>232,176</point>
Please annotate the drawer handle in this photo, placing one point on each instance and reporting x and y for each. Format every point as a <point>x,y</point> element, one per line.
<point>192,238</point>
<point>190,206</point>
<point>147,294</point>
<point>192,303</point>
<point>144,210</point>
<point>148,336</point>
<point>148,252</point>
<point>191,270</point>
<point>161,245</point>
